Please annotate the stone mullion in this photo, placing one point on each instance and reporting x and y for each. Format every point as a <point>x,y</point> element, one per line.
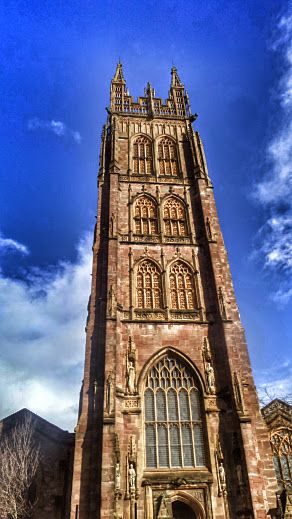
<point>165,294</point>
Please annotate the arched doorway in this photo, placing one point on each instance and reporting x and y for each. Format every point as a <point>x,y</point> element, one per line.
<point>182,511</point>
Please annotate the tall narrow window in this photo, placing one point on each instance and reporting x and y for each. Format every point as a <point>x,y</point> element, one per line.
<point>174,217</point>
<point>145,212</point>
<point>167,158</point>
<point>173,421</point>
<point>149,293</point>
<point>281,441</point>
<point>142,156</point>
<point>182,289</point>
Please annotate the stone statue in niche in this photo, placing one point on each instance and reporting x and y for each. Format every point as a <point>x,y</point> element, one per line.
<point>117,477</point>
<point>132,478</point>
<point>208,229</point>
<point>222,303</point>
<point>110,393</point>
<point>131,378</point>
<point>111,302</point>
<point>209,371</point>
<point>113,226</point>
<point>222,478</point>
<point>210,378</point>
<point>131,369</point>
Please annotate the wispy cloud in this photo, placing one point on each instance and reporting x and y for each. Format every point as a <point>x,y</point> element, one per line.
<point>57,127</point>
<point>9,245</point>
<point>42,319</point>
<point>274,192</point>
<point>275,382</point>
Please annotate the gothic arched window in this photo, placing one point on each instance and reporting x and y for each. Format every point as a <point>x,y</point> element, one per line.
<point>173,420</point>
<point>148,285</point>
<point>281,441</point>
<point>142,156</point>
<point>182,288</point>
<point>167,157</point>
<point>145,216</point>
<point>174,217</point>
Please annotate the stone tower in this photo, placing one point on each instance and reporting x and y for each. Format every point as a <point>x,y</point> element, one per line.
<point>169,423</point>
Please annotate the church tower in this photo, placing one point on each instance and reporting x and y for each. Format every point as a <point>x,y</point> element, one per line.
<point>169,423</point>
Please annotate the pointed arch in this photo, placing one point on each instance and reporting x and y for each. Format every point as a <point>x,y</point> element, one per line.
<point>173,414</point>
<point>167,157</point>
<point>145,215</point>
<point>148,285</point>
<point>142,155</point>
<point>181,286</point>
<point>174,217</point>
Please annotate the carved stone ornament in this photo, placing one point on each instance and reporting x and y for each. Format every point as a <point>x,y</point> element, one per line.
<point>132,478</point>
<point>113,226</point>
<point>208,229</point>
<point>110,387</point>
<point>111,302</point>
<point>238,391</point>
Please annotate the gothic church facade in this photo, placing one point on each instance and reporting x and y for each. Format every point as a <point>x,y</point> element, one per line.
<point>169,423</point>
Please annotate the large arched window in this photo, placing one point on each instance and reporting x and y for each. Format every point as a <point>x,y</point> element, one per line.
<point>174,217</point>
<point>173,420</point>
<point>142,156</point>
<point>167,157</point>
<point>145,215</point>
<point>148,283</point>
<point>182,288</point>
<point>281,441</point>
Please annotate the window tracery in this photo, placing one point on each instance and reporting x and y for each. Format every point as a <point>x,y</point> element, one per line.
<point>142,156</point>
<point>145,216</point>
<point>149,292</point>
<point>167,158</point>
<point>174,217</point>
<point>182,289</point>
<point>281,441</point>
<point>173,420</point>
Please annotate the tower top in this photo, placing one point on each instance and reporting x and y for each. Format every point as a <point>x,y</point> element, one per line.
<point>175,81</point>
<point>119,76</point>
<point>176,105</point>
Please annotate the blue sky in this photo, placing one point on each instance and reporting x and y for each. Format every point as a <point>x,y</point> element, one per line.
<point>235,58</point>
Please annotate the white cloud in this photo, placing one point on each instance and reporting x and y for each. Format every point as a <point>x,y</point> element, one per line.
<point>57,127</point>
<point>274,192</point>
<point>42,320</point>
<point>9,245</point>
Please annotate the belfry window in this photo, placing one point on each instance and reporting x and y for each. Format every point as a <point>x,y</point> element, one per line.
<point>149,293</point>
<point>182,288</point>
<point>173,421</point>
<point>142,156</point>
<point>174,217</point>
<point>167,158</point>
<point>281,441</point>
<point>145,216</point>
